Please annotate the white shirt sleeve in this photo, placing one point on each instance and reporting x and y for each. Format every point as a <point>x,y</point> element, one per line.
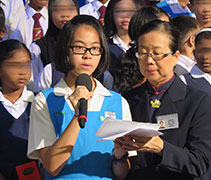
<point>44,79</point>
<point>37,65</point>
<point>126,114</point>
<point>15,20</point>
<point>41,129</point>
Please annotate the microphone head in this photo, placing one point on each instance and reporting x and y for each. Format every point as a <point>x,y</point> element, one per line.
<point>84,80</point>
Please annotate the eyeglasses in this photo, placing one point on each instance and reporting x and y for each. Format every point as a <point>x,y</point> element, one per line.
<point>155,56</point>
<point>95,51</point>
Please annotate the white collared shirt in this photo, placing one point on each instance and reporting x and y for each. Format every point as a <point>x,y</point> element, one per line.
<point>184,65</point>
<point>41,131</point>
<point>117,40</point>
<point>30,22</point>
<point>18,108</point>
<point>15,19</point>
<point>197,73</point>
<point>92,8</point>
<point>37,65</point>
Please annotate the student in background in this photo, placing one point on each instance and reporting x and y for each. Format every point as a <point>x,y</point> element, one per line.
<point>37,20</point>
<point>15,104</point>
<point>55,137</point>
<point>96,8</point>
<point>15,19</point>
<point>128,74</point>
<point>176,7</point>
<point>117,19</point>
<point>200,75</point>
<point>202,10</point>
<point>43,50</point>
<point>188,27</point>
<point>2,24</point>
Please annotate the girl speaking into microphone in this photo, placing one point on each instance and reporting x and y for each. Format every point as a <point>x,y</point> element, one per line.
<point>55,137</point>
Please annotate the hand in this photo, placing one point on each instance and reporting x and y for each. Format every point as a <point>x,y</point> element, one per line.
<point>79,93</point>
<point>119,151</point>
<point>150,144</point>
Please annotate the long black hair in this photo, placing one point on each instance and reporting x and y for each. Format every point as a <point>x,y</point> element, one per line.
<point>62,52</point>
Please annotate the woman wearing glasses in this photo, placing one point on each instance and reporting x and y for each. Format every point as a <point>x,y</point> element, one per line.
<point>183,151</point>
<point>55,137</point>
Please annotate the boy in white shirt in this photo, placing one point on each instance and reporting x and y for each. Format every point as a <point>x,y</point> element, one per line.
<point>36,6</point>
<point>188,27</point>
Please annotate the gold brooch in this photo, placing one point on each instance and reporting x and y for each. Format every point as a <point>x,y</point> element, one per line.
<point>155,104</point>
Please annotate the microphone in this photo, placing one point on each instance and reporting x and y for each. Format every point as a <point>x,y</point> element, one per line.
<point>83,80</point>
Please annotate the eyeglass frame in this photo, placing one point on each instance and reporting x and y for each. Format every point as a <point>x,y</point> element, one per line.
<point>87,49</point>
<point>152,54</point>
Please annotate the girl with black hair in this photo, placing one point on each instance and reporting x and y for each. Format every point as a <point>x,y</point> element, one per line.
<point>43,50</point>
<point>15,104</point>
<point>117,19</point>
<point>55,137</point>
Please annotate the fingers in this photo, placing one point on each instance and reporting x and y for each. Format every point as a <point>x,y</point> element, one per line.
<point>131,143</point>
<point>80,92</point>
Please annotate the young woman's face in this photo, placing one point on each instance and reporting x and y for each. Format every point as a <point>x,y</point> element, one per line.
<point>85,36</point>
<point>63,11</point>
<point>15,72</point>
<point>123,12</point>
<point>156,71</point>
<point>203,55</point>
<point>202,9</point>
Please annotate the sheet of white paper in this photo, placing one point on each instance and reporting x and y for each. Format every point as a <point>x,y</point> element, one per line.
<point>113,128</point>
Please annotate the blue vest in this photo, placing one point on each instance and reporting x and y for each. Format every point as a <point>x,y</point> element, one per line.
<point>89,159</point>
<point>166,7</point>
<point>13,141</point>
<point>199,83</point>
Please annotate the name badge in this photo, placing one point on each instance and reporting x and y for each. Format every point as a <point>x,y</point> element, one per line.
<point>111,115</point>
<point>169,121</point>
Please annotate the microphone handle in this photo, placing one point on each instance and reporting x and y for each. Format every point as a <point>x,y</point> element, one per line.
<point>82,117</point>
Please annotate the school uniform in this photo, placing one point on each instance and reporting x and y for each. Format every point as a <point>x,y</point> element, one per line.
<point>116,48</point>
<point>14,125</point>
<point>92,8</point>
<point>89,159</point>
<point>198,79</point>
<point>15,19</point>
<point>184,65</point>
<point>30,22</point>
<point>186,151</point>
<point>173,8</point>
<point>43,51</point>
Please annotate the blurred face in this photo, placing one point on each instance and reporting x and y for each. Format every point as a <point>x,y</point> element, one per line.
<point>85,36</point>
<point>15,72</point>
<point>156,71</point>
<point>202,9</point>
<point>63,11</point>
<point>122,13</point>
<point>203,55</point>
<point>38,4</point>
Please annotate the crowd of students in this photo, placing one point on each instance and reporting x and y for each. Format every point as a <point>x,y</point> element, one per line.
<point>148,61</point>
